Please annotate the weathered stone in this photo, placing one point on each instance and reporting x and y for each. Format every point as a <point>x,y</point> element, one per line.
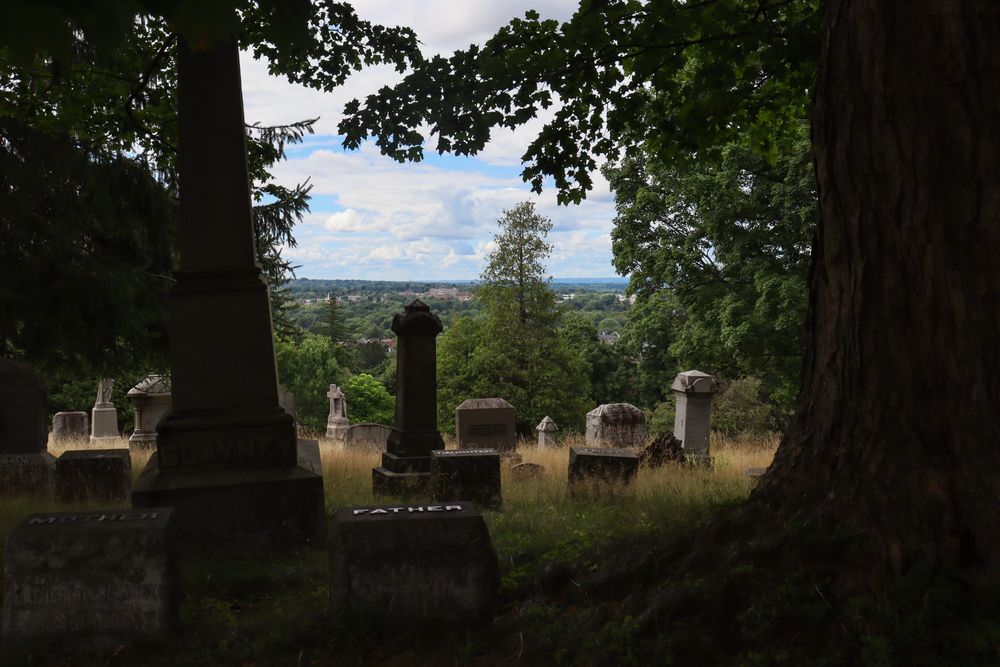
<point>227,457</point>
<point>694,391</point>
<point>486,423</point>
<point>70,425</point>
<point>467,473</point>
<point>754,474</point>
<point>413,563</point>
<point>526,471</point>
<point>336,421</point>
<point>665,448</point>
<point>25,466</point>
<point>405,465</point>
<point>373,436</point>
<point>616,425</point>
<point>89,579</point>
<point>151,400</point>
<point>546,433</point>
<point>94,474</point>
<point>104,419</point>
<point>600,469</point>
<point>22,410</point>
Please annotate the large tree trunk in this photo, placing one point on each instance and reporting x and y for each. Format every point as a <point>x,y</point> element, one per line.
<point>897,433</point>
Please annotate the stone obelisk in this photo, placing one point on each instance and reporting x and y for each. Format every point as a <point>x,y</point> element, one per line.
<point>227,459</point>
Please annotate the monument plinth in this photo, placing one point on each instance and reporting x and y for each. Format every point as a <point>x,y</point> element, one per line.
<point>227,458</point>
<point>406,464</point>
<point>25,465</point>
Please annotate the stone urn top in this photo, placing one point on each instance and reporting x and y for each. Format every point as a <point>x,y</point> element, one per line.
<point>547,425</point>
<point>416,320</point>
<point>151,384</point>
<point>694,382</point>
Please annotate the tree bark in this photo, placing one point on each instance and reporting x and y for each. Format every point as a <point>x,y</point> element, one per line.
<point>897,433</point>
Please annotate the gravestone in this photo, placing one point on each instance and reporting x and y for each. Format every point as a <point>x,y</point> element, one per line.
<point>372,436</point>
<point>25,465</point>
<point>89,579</point>
<point>336,421</point>
<point>413,563</point>
<point>104,422</point>
<point>616,425</point>
<point>486,423</point>
<point>692,425</point>
<point>286,399</point>
<point>525,471</point>
<point>406,464</point>
<point>467,473</point>
<point>94,474</point>
<point>601,470</point>
<point>70,425</point>
<point>546,433</point>
<point>227,457</point>
<point>151,400</point>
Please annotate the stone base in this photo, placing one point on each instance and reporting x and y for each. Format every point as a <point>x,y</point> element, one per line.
<point>94,474</point>
<point>467,473</point>
<point>243,510</point>
<point>26,474</point>
<point>337,431</point>
<point>396,463</point>
<point>87,580</point>
<point>413,443</point>
<point>601,470</point>
<point>413,564</point>
<point>389,483</point>
<point>104,423</point>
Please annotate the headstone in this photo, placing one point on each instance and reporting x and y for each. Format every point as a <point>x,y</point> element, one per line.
<point>600,470</point>
<point>486,423</point>
<point>336,421</point>
<point>25,465</point>
<point>227,456</point>
<point>546,433</point>
<point>89,579</point>
<point>151,400</point>
<point>426,563</point>
<point>406,464</point>
<point>371,436</point>
<point>694,391</point>
<point>94,474</point>
<point>286,399</point>
<point>616,425</point>
<point>525,471</point>
<point>467,473</point>
<point>70,425</point>
<point>104,423</point>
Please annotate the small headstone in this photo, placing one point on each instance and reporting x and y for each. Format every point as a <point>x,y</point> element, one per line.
<point>336,421</point>
<point>370,436</point>
<point>525,471</point>
<point>25,465</point>
<point>105,417</point>
<point>665,448</point>
<point>616,425</point>
<point>94,474</point>
<point>70,425</point>
<point>601,469</point>
<point>546,433</point>
<point>694,391</point>
<point>413,563</point>
<point>151,400</point>
<point>486,423</point>
<point>89,579</point>
<point>467,473</point>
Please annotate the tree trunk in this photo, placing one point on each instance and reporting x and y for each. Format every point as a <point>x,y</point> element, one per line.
<point>897,433</point>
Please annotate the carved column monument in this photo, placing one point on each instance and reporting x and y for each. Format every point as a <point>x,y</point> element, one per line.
<point>227,460</point>
<point>407,462</point>
<point>336,421</point>
<point>692,424</point>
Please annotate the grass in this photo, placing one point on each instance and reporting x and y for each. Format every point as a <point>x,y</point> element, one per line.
<point>274,612</point>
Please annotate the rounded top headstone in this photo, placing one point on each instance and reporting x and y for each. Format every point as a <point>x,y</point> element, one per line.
<point>618,413</point>
<point>151,384</point>
<point>416,320</point>
<point>547,425</point>
<point>694,382</point>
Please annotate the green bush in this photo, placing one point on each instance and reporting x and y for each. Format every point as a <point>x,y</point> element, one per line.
<point>368,401</point>
<point>307,368</point>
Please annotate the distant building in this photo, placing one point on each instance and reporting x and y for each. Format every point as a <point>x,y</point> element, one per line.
<point>609,338</point>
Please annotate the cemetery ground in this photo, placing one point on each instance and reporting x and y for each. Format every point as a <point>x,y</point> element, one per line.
<point>276,611</point>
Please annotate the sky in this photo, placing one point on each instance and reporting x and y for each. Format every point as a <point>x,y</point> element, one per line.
<point>373,218</point>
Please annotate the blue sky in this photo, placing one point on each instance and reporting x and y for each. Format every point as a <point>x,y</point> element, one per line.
<point>373,218</point>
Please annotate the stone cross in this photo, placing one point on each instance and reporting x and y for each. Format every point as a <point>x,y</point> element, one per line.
<point>336,422</point>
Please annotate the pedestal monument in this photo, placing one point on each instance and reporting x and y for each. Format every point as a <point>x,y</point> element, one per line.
<point>227,458</point>
<point>406,464</point>
<point>104,420</point>
<point>336,421</point>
